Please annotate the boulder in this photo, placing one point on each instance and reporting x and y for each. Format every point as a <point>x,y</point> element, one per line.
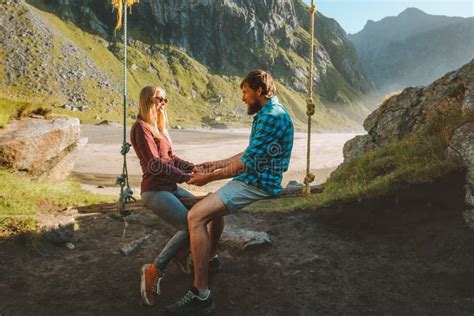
<point>244,239</point>
<point>60,171</point>
<point>129,248</point>
<point>408,112</point>
<point>462,147</point>
<point>57,229</point>
<point>38,146</point>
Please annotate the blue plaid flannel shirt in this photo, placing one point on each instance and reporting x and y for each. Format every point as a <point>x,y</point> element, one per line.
<point>269,151</point>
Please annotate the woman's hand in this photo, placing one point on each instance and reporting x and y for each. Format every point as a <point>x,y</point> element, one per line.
<point>200,179</point>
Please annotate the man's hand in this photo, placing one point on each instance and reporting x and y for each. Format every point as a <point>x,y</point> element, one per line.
<point>199,179</point>
<point>205,167</point>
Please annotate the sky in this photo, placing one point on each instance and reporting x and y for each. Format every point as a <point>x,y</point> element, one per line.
<point>353,14</point>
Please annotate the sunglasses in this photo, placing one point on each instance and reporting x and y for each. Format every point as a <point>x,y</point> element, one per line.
<point>161,99</point>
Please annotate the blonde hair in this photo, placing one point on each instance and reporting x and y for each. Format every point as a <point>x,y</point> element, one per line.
<point>148,113</point>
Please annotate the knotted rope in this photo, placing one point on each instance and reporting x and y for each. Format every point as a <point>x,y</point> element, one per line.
<point>310,106</point>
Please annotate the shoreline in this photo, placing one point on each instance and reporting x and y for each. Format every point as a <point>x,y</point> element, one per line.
<point>99,162</point>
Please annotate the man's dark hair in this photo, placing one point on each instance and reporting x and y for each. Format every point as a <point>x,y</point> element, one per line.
<point>260,79</point>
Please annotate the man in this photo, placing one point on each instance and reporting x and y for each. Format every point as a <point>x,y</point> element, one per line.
<point>257,174</point>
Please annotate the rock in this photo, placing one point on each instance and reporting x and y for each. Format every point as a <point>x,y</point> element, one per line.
<point>212,122</point>
<point>36,146</point>
<point>60,171</point>
<point>82,142</point>
<point>462,147</point>
<point>68,107</point>
<point>57,229</point>
<point>357,146</point>
<point>176,127</point>
<point>109,123</point>
<point>294,184</point>
<point>83,107</point>
<point>244,239</point>
<point>127,249</point>
<point>36,116</point>
<point>409,112</point>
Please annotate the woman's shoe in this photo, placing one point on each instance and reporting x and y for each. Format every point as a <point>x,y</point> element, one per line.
<point>150,283</point>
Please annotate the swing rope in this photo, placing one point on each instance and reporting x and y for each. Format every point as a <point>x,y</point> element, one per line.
<point>126,192</point>
<point>310,105</point>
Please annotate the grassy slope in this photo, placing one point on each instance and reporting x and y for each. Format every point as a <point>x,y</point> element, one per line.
<point>194,91</point>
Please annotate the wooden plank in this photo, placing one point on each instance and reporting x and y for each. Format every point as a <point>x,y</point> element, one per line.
<point>188,201</point>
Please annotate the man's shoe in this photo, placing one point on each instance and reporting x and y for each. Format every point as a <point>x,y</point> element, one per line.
<point>215,264</point>
<point>183,260</point>
<point>150,283</point>
<point>192,304</point>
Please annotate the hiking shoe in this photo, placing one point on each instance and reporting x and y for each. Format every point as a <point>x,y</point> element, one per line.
<point>192,304</point>
<point>150,283</point>
<point>215,264</point>
<point>183,260</point>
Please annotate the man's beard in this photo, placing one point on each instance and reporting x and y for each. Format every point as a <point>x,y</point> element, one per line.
<point>254,108</point>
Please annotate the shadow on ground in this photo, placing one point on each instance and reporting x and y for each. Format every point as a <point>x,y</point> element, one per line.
<point>410,253</point>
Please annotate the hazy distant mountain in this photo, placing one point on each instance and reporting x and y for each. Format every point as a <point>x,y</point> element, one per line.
<point>413,48</point>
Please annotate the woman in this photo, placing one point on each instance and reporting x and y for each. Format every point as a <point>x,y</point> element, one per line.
<point>162,171</point>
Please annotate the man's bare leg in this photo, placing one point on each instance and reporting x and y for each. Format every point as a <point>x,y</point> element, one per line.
<point>215,228</point>
<point>198,217</point>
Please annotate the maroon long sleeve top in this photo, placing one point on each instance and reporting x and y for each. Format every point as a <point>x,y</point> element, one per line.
<point>161,168</point>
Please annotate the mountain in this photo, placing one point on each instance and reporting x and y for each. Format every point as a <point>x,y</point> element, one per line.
<point>66,52</point>
<point>413,48</point>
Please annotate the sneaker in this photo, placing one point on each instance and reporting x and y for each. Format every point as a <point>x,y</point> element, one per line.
<point>215,264</point>
<point>183,260</point>
<point>150,283</point>
<point>192,304</point>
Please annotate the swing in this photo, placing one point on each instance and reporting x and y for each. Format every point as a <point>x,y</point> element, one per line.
<point>127,203</point>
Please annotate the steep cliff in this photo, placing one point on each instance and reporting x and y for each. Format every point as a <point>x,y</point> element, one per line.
<point>223,40</point>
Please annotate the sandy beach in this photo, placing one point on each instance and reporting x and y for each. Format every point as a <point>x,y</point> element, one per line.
<point>99,161</point>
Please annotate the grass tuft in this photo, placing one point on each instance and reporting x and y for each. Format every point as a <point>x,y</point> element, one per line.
<point>21,198</point>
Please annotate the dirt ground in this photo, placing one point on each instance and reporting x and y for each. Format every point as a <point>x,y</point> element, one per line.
<point>403,256</point>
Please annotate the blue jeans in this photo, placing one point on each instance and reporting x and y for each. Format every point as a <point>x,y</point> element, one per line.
<point>168,206</point>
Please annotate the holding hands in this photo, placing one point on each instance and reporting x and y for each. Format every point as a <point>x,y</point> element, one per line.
<point>206,172</point>
<point>202,173</point>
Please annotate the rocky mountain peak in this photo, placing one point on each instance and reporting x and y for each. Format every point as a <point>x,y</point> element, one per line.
<point>411,12</point>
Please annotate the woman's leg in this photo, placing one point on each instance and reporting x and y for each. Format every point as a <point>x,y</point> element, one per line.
<point>167,205</point>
